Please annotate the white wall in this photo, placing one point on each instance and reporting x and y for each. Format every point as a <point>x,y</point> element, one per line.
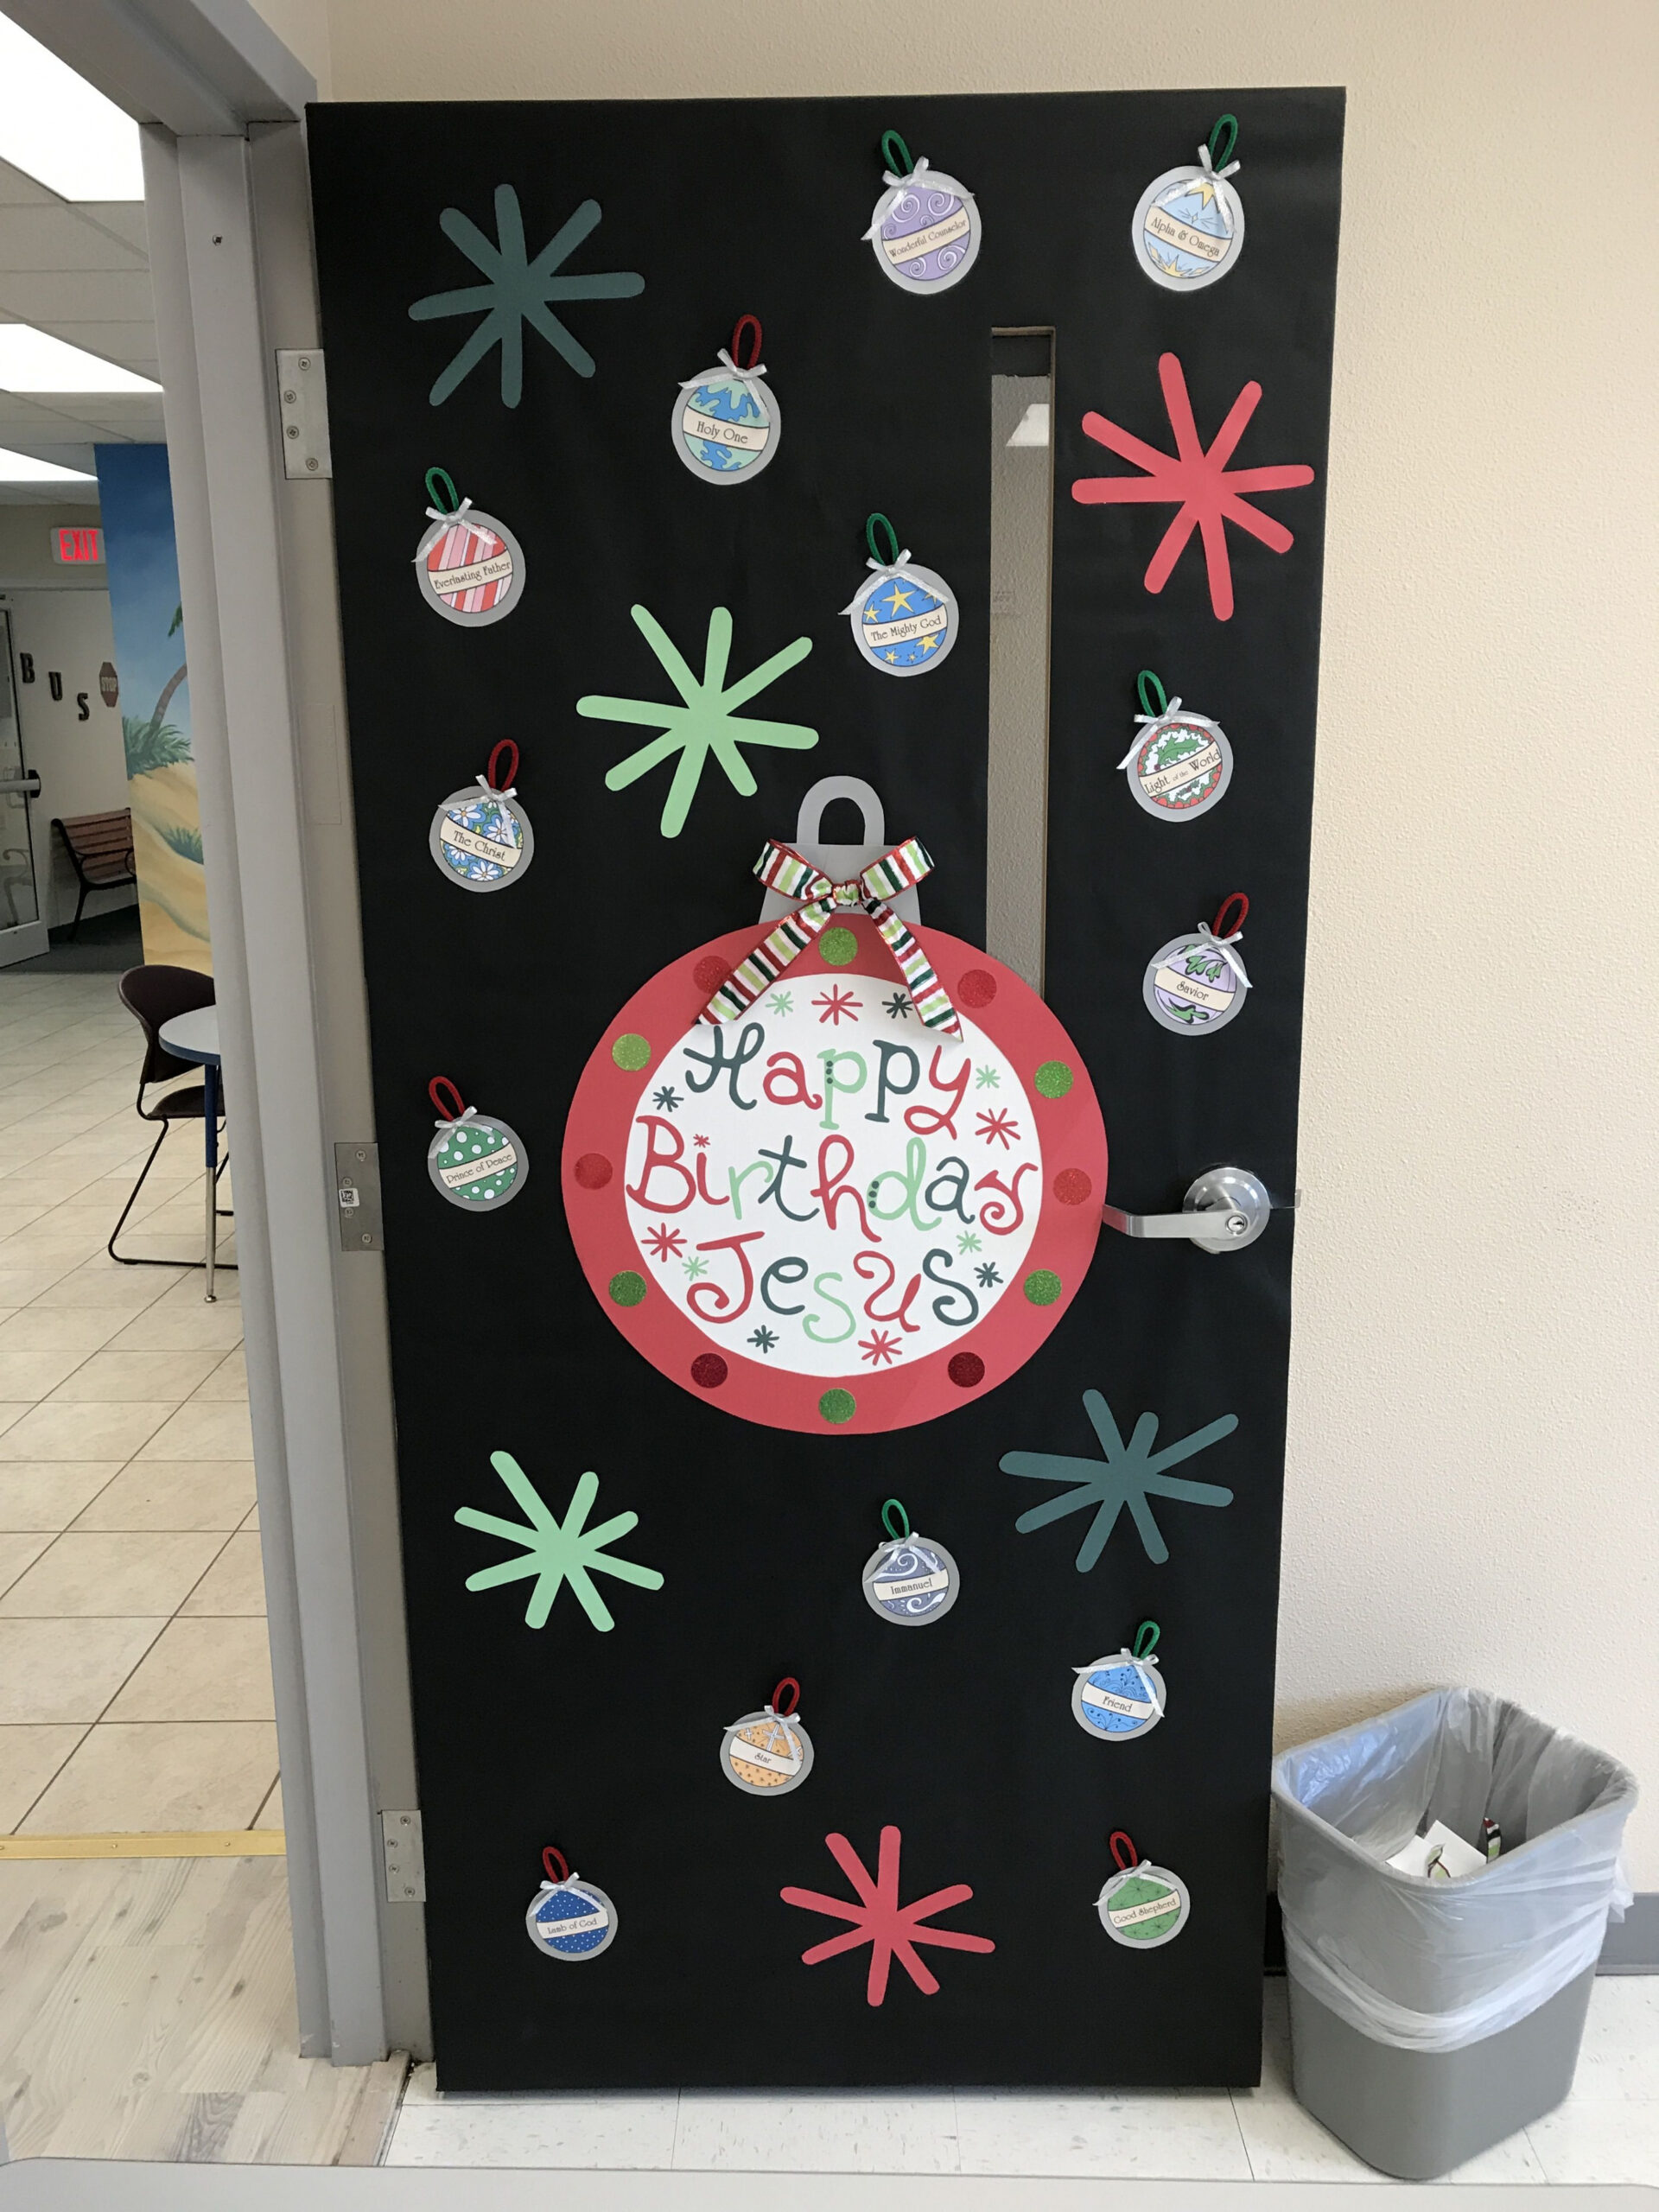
<point>83,767</point>
<point>1474,1410</point>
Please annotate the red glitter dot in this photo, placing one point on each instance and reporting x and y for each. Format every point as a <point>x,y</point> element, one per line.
<point>708,974</point>
<point>966,1368</point>
<point>709,1371</point>
<point>1071,1186</point>
<point>977,988</point>
<point>593,1171</point>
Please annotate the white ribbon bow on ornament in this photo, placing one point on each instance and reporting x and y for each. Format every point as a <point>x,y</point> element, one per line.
<point>1168,715</point>
<point>745,376</point>
<point>1215,176</point>
<point>917,176</point>
<point>1208,941</point>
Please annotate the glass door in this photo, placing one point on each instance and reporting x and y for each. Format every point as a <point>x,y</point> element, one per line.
<point>22,931</point>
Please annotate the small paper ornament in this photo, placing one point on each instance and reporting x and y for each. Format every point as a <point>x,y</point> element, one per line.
<point>1189,228</point>
<point>910,1580</point>
<point>726,423</point>
<point>1141,1906</point>
<point>925,229</point>
<point>1116,1699</point>
<point>475,1160</point>
<point>469,567</point>
<point>1197,984</point>
<point>768,1753</point>
<point>569,1918</point>
<point>905,619</point>
<point>479,838</point>
<point>1180,764</point>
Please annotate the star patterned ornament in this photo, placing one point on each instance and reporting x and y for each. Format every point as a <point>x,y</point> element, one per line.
<point>1189,228</point>
<point>517,290</point>
<point>1132,1475</point>
<point>1197,482</point>
<point>892,1930</point>
<point>705,721</point>
<point>904,618</point>
<point>555,1551</point>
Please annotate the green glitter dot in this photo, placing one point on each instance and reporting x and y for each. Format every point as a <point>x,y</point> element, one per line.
<point>1054,1078</point>
<point>631,1052</point>
<point>838,946</point>
<point>627,1288</point>
<point>837,1405</point>
<point>1043,1287</point>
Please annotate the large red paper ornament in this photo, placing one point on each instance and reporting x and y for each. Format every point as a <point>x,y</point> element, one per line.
<point>844,1178</point>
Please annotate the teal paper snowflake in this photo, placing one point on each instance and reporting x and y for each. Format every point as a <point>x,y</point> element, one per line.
<point>555,1551</point>
<point>707,720</point>
<point>1132,1474</point>
<point>517,291</point>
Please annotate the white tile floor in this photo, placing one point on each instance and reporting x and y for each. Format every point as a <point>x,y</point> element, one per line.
<point>134,1685</point>
<point>1607,2131</point>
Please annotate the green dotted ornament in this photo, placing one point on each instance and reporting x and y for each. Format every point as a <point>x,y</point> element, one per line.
<point>838,946</point>
<point>631,1052</point>
<point>1141,1906</point>
<point>1053,1080</point>
<point>627,1288</point>
<point>837,1406</point>
<point>475,1161</point>
<point>1043,1287</point>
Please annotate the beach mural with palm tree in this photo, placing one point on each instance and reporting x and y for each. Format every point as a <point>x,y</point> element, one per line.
<point>135,498</point>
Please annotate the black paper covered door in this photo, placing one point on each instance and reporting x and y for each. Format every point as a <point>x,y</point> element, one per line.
<point>841,1574</point>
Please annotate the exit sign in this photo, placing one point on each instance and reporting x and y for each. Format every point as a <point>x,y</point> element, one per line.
<point>78,547</point>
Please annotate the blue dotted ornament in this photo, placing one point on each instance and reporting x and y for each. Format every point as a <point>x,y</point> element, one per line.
<point>569,1918</point>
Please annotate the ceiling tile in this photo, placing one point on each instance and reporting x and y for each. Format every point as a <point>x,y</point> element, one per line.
<point>21,416</point>
<point>17,190</point>
<point>125,217</point>
<point>55,239</point>
<point>131,343</point>
<point>110,296</point>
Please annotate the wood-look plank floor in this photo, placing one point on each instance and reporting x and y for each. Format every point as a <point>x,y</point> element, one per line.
<point>147,2012</point>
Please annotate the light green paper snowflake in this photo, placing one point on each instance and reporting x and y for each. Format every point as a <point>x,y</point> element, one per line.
<point>987,1078</point>
<point>555,1551</point>
<point>705,721</point>
<point>967,1241</point>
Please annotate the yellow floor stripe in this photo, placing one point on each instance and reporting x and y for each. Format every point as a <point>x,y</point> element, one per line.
<point>215,1843</point>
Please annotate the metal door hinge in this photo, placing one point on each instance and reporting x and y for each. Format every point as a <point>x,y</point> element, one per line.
<point>303,412</point>
<point>405,1850</point>
<point>1225,1210</point>
<point>357,1196</point>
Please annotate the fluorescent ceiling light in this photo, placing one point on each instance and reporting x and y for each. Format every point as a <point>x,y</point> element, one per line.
<point>1032,428</point>
<point>33,361</point>
<point>56,129</point>
<point>23,468</point>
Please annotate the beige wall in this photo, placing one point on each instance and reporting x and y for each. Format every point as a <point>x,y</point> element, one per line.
<point>1474,1430</point>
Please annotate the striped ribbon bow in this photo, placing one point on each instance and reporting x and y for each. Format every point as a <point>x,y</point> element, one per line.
<point>783,870</point>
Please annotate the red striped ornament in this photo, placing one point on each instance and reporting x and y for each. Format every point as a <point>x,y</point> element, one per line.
<point>470,567</point>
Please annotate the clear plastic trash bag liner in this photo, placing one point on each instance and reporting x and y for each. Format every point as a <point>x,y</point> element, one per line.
<point>1430,1965</point>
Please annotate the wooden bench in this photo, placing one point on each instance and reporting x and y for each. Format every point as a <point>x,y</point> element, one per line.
<point>99,847</point>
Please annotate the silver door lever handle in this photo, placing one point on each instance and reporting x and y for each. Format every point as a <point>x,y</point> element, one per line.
<point>1225,1210</point>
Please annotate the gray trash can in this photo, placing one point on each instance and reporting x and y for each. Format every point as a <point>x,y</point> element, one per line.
<point>1431,2019</point>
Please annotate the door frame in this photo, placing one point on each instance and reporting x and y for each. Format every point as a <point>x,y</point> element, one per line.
<point>222,101</point>
<point>23,940</point>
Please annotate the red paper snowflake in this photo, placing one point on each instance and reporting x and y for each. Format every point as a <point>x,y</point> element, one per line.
<point>999,1127</point>
<point>880,1349</point>
<point>664,1243</point>
<point>1206,492</point>
<point>836,1003</point>
<point>891,1929</point>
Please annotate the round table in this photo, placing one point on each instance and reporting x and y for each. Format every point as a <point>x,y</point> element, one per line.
<point>195,1036</point>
